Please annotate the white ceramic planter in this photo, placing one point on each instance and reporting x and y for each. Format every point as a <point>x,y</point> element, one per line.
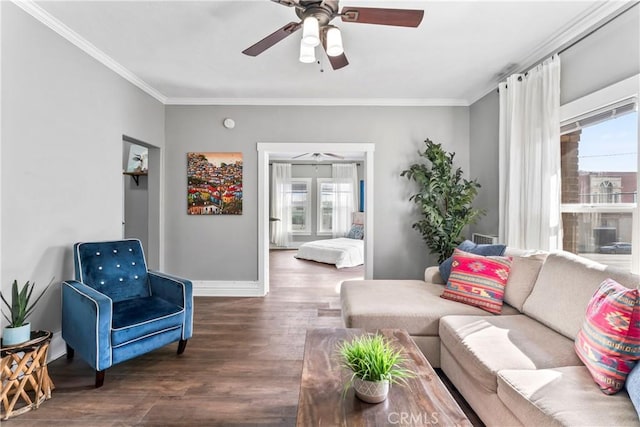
<point>13,336</point>
<point>371,391</point>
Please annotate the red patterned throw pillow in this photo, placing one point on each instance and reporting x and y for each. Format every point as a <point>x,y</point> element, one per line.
<point>478,280</point>
<point>609,341</point>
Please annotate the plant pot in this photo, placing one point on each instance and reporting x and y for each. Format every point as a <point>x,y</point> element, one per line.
<point>14,336</point>
<point>371,391</point>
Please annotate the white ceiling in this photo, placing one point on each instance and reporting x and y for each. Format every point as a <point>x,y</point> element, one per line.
<point>190,52</point>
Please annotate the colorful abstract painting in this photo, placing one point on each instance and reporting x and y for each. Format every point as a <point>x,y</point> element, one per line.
<point>214,183</point>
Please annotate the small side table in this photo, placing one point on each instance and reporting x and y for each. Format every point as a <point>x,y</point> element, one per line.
<point>25,377</point>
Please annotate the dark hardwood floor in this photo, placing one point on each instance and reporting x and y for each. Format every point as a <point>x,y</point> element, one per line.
<point>242,366</point>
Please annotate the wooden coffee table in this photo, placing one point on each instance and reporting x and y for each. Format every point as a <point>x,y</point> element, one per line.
<point>424,401</point>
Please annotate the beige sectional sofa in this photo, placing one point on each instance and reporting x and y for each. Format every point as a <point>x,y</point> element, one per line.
<point>517,368</point>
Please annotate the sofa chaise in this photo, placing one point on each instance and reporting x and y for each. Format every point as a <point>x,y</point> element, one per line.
<point>516,368</point>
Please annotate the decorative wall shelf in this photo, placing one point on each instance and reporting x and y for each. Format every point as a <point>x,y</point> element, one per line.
<point>136,176</point>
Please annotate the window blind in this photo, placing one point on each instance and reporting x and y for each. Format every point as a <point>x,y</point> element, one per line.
<point>610,111</point>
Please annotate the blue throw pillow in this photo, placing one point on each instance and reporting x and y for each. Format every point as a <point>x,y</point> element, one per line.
<point>469,246</point>
<point>633,387</point>
<point>356,232</point>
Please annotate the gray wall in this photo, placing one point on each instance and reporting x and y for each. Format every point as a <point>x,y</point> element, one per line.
<point>225,247</point>
<point>63,117</point>
<point>483,146</point>
<point>609,55</point>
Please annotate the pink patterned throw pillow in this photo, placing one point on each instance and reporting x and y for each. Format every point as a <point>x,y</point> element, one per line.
<point>478,280</point>
<point>609,341</point>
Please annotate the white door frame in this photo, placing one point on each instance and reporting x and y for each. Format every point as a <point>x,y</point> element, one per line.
<point>265,149</point>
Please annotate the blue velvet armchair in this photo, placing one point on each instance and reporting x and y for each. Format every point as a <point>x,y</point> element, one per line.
<point>116,309</point>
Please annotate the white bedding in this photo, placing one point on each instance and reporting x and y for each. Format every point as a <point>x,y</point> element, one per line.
<point>342,252</point>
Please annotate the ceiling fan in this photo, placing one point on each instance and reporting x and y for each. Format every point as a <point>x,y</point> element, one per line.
<point>316,15</point>
<point>318,156</point>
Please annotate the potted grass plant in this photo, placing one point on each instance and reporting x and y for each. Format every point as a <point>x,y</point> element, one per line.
<point>375,364</point>
<point>19,330</point>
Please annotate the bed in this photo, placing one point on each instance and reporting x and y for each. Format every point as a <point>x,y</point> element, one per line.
<point>341,251</point>
<point>345,251</point>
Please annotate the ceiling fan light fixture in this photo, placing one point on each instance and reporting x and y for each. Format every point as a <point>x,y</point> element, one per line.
<point>311,31</point>
<point>334,42</point>
<point>307,53</point>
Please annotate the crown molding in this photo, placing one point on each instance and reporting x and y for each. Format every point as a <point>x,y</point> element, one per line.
<point>580,26</point>
<point>63,30</point>
<point>382,102</point>
<point>48,20</point>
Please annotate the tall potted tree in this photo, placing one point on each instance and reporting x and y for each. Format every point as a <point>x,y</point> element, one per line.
<point>444,199</point>
<point>19,330</point>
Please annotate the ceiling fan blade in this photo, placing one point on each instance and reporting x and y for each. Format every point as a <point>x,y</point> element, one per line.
<point>272,39</point>
<point>301,155</point>
<point>332,155</point>
<point>374,15</point>
<point>288,3</point>
<point>337,62</point>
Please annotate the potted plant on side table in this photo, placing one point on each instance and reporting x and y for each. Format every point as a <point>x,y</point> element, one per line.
<point>375,364</point>
<point>19,330</point>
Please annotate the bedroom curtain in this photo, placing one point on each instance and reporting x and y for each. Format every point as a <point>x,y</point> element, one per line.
<point>345,197</point>
<point>280,204</point>
<point>529,158</point>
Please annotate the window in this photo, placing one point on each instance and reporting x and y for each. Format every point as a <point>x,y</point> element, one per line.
<point>325,205</point>
<point>332,196</point>
<point>301,206</point>
<point>600,183</point>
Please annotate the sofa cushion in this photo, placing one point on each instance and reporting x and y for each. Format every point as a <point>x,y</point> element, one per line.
<point>136,318</point>
<point>564,287</point>
<point>525,268</point>
<point>484,345</point>
<point>478,280</point>
<point>563,396</point>
<point>469,246</point>
<point>632,385</point>
<point>405,304</point>
<point>609,341</point>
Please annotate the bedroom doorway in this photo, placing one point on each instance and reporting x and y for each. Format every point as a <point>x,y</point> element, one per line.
<point>270,152</point>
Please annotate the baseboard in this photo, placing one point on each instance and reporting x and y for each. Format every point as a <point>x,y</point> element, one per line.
<point>57,347</point>
<point>210,288</point>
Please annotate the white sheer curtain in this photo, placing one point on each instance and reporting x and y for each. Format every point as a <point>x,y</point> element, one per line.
<point>280,204</point>
<point>529,158</point>
<point>345,200</point>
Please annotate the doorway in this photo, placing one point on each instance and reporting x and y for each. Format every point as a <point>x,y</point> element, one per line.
<point>265,152</point>
<point>141,196</point>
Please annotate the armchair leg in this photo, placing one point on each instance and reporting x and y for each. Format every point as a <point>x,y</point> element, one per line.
<point>100,378</point>
<point>70,352</point>
<point>181,346</point>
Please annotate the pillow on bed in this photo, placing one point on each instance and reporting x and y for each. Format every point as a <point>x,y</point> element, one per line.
<point>356,232</point>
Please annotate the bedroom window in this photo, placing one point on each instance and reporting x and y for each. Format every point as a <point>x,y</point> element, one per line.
<point>335,197</point>
<point>301,206</point>
<point>326,190</point>
<point>599,170</point>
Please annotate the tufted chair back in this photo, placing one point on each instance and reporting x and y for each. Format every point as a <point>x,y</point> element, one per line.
<point>117,269</point>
